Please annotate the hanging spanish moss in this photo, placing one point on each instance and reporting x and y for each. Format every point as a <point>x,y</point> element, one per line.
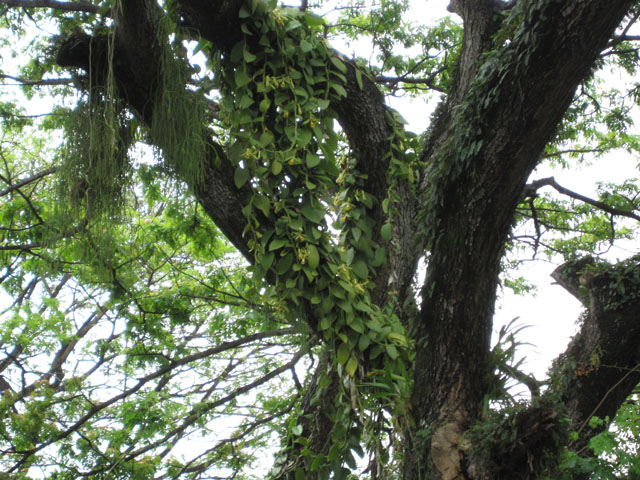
<point>95,168</point>
<point>98,134</point>
<point>178,124</point>
<point>95,172</point>
<point>95,165</point>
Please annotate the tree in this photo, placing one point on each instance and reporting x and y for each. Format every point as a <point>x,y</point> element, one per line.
<point>135,323</point>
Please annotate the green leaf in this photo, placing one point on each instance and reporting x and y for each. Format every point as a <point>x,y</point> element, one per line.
<point>304,137</point>
<point>317,462</point>
<point>292,25</point>
<point>323,104</point>
<point>374,324</point>
<point>305,46</point>
<point>335,452</point>
<point>277,243</point>
<point>297,430</point>
<point>264,105</point>
<point>242,77</point>
<point>351,366</point>
<point>343,353</point>
<point>267,260</point>
<point>266,138</point>
<point>276,167</point>
<point>313,20</point>
<point>401,339</point>
<point>313,258</point>
<point>339,64</point>
<point>312,160</point>
<point>385,232</point>
<point>356,232</point>
<point>346,306</point>
<point>327,304</point>
<point>202,44</point>
<point>360,269</point>
<point>284,264</point>
<point>262,202</point>
<point>392,351</point>
<point>359,78</point>
<point>240,177</point>
<point>350,255</point>
<point>314,214</point>
<point>356,325</point>
<point>380,257</point>
<point>245,102</point>
<point>236,52</point>
<point>290,132</point>
<point>339,89</point>
<point>248,56</point>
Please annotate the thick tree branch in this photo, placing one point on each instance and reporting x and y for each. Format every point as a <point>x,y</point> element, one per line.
<point>600,368</point>
<point>77,6</point>
<point>428,82</point>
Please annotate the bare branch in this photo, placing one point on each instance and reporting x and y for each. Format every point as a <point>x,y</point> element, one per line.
<point>42,81</point>
<point>559,153</point>
<point>551,182</point>
<point>394,81</point>
<point>25,247</point>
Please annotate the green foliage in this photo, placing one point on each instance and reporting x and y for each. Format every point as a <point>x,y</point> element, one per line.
<point>158,339</point>
<point>403,51</point>
<point>503,366</point>
<point>94,159</point>
<point>617,285</point>
<point>572,228</point>
<point>611,454</point>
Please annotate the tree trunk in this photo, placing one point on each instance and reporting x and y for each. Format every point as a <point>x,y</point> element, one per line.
<point>504,109</point>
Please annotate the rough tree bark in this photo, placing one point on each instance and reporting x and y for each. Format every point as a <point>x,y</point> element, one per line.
<point>504,107</point>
